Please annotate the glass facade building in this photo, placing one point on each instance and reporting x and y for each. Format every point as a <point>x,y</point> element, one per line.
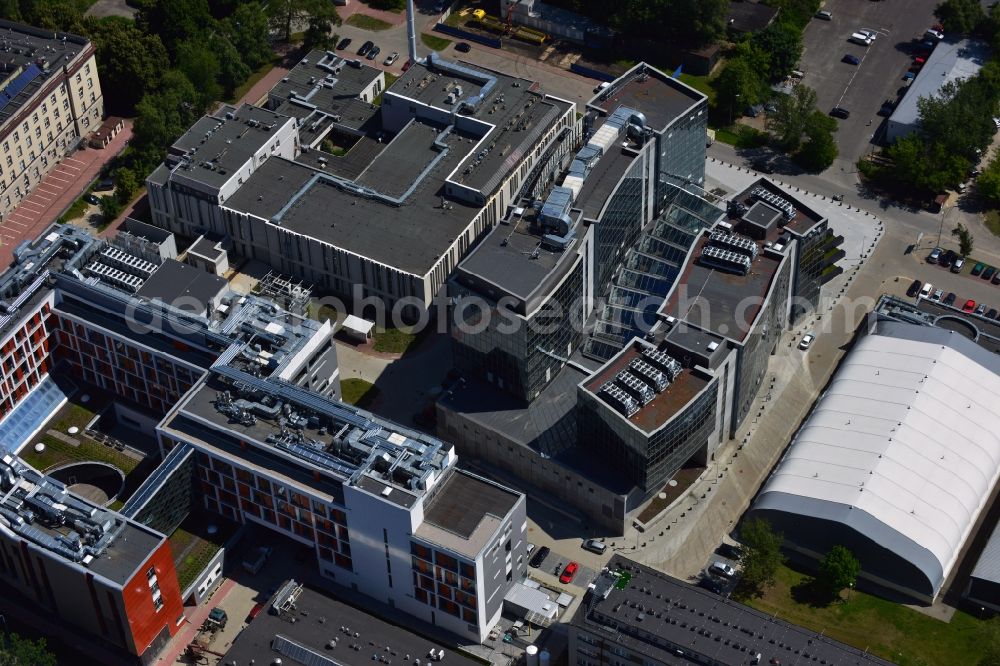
<point>681,150</point>
<point>819,249</point>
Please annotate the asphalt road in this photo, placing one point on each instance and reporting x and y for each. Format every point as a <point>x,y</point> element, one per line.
<point>861,89</point>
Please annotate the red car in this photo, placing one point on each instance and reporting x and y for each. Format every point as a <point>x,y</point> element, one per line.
<point>569,572</point>
<point>969,306</point>
<point>255,612</point>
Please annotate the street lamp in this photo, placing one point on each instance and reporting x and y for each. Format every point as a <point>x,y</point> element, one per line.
<point>731,104</point>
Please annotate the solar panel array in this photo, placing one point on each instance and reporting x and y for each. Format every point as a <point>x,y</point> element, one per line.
<point>668,364</point>
<point>655,378</point>
<point>619,399</point>
<point>18,84</point>
<point>115,276</point>
<point>734,242</point>
<point>635,387</point>
<point>299,653</point>
<point>768,197</point>
<point>117,258</point>
<point>726,260</point>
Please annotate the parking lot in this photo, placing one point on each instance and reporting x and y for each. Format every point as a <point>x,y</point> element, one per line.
<point>964,285</point>
<point>862,88</point>
<point>554,563</point>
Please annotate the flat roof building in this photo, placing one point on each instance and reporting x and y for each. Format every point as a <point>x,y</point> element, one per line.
<point>637,614</point>
<point>50,100</point>
<point>950,61</point>
<point>423,176</point>
<point>898,457</point>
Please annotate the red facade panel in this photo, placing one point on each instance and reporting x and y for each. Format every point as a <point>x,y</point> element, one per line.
<point>145,621</point>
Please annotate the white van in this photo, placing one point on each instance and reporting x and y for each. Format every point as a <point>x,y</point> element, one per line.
<point>926,290</point>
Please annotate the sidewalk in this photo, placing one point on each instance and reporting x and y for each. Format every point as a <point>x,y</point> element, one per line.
<point>194,619</point>
<point>60,188</point>
<point>260,89</point>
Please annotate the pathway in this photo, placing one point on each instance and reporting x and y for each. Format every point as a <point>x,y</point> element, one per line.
<point>57,191</point>
<point>194,618</point>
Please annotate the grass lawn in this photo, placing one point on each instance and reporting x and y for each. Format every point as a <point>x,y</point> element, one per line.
<point>366,22</point>
<point>193,548</point>
<point>76,209</point>
<point>71,415</point>
<point>58,452</point>
<point>256,76</point>
<point>393,340</point>
<point>890,630</point>
<point>358,392</point>
<point>725,136</point>
<point>992,221</point>
<point>435,43</point>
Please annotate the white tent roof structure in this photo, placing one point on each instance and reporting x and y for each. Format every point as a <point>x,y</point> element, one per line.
<point>358,325</point>
<point>904,445</point>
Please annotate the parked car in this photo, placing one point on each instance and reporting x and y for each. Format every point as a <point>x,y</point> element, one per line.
<point>888,106</point>
<point>824,15</point>
<point>730,551</point>
<point>366,47</point>
<point>988,273</point>
<point>996,278</point>
<point>393,57</point>
<point>595,546</point>
<point>539,556</point>
<point>722,569</point>
<point>104,185</point>
<point>860,38</point>
<point>947,258</point>
<point>344,43</point>
<point>914,288</point>
<point>978,268</point>
<point>807,340</point>
<point>254,612</point>
<point>981,309</point>
<point>373,53</point>
<point>950,298</point>
<point>463,47</point>
<point>931,33</point>
<point>870,34</point>
<point>851,59</point>
<point>569,572</point>
<point>710,585</point>
<point>840,112</point>
<point>91,199</point>
<point>600,87</point>
<point>926,290</point>
<point>969,306</point>
<point>992,314</point>
<point>956,266</point>
<point>934,256</point>
<point>937,296</point>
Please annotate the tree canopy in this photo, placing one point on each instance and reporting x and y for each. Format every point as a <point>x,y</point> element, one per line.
<point>960,16</point>
<point>838,569</point>
<point>686,23</point>
<point>761,556</point>
<point>130,62</point>
<point>18,651</point>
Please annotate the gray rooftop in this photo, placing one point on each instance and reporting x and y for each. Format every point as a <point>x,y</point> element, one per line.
<point>216,146</point>
<point>465,512</point>
<point>603,179</point>
<point>984,332</point>
<point>324,88</point>
<point>183,286</point>
<point>420,228</point>
<point>318,620</point>
<point>71,527</point>
<point>949,61</point>
<point>658,616</point>
<point>28,57</point>
<point>719,302</point>
<point>266,191</point>
<point>514,260</point>
<point>660,98</point>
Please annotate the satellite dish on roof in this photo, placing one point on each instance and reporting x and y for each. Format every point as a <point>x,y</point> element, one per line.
<point>39,447</point>
<point>672,483</point>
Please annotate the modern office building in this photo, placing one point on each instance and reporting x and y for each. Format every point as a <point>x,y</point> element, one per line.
<point>79,562</point>
<point>417,178</point>
<point>900,456</point>
<point>243,398</point>
<point>664,367</point>
<point>50,98</point>
<point>633,614</point>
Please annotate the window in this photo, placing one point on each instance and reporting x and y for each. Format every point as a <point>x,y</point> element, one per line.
<point>150,573</point>
<point>45,107</point>
<point>34,117</point>
<point>87,69</point>
<point>79,77</point>
<point>53,98</point>
<point>90,83</point>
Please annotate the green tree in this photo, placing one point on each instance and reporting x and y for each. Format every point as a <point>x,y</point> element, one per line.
<point>783,44</point>
<point>175,21</point>
<point>820,147</point>
<point>110,208</point>
<point>130,62</point>
<point>737,87</point>
<point>788,122</point>
<point>761,556</point>
<point>839,569</point>
<point>126,184</point>
<point>202,68</point>
<point>288,15</point>
<point>247,28</point>
<point>52,15</point>
<point>319,34</point>
<point>960,16</point>
<point>232,70</point>
<point>988,183</point>
<point>18,651</point>
<point>693,23</point>
<point>162,116</point>
<point>964,239</point>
